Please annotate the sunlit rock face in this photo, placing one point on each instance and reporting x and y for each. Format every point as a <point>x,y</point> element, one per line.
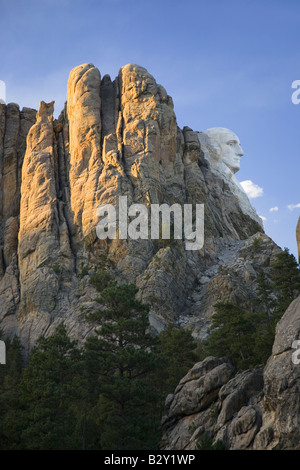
<point>83,112</point>
<point>118,138</point>
<point>222,148</point>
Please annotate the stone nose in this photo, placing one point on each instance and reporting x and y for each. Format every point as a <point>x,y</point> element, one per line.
<point>240,151</point>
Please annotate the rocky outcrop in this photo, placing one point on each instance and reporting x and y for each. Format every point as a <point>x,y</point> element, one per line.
<point>115,138</point>
<point>14,127</point>
<point>256,409</point>
<point>85,165</point>
<point>212,399</point>
<point>120,138</point>
<point>43,236</point>
<point>281,419</point>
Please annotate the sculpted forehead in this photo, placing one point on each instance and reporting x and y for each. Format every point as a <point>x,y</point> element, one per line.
<point>221,134</point>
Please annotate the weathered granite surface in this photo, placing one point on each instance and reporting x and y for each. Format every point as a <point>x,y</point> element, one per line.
<point>115,138</point>
<point>256,409</point>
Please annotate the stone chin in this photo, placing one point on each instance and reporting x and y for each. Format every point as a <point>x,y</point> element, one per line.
<point>232,162</point>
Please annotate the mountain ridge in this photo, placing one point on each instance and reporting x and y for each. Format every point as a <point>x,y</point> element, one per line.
<point>113,138</point>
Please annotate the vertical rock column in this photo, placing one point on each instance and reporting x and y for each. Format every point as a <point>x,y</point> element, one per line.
<point>40,251</point>
<point>149,132</point>
<point>17,126</point>
<point>83,111</point>
<point>14,126</point>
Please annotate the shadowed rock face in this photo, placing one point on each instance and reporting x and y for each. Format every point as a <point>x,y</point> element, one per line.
<point>214,399</point>
<point>114,138</point>
<point>250,410</point>
<point>281,420</point>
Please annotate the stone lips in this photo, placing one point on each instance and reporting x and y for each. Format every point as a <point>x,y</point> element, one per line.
<point>114,138</point>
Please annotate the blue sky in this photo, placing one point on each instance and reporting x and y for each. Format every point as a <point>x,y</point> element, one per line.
<point>225,63</point>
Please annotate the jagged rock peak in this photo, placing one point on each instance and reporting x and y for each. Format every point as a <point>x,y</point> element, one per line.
<point>114,138</point>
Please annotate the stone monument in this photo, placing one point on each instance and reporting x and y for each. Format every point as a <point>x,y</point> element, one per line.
<point>226,146</point>
<point>222,148</point>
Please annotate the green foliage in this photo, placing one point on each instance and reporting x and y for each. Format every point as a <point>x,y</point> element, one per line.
<point>265,297</point>
<point>176,348</point>
<point>247,337</point>
<point>100,279</point>
<point>206,442</point>
<point>57,269</point>
<point>256,244</point>
<point>123,357</point>
<point>10,376</point>
<point>83,272</point>
<point>232,335</point>
<point>222,270</point>
<point>51,394</point>
<point>110,393</point>
<point>286,280</point>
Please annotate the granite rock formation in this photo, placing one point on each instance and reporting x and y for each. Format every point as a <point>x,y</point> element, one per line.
<point>120,138</point>
<point>213,399</point>
<point>115,138</point>
<point>256,409</point>
<point>281,420</point>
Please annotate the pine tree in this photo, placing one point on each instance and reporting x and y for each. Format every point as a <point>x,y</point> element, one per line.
<point>232,335</point>
<point>10,377</point>
<point>51,393</point>
<point>176,348</point>
<point>286,280</point>
<point>120,361</point>
<point>265,300</point>
<point>264,318</point>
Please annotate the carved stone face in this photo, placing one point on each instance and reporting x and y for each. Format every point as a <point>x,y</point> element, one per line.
<point>230,147</point>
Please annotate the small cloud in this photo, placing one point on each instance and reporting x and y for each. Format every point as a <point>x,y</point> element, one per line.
<point>252,190</point>
<point>274,209</point>
<point>294,206</point>
<point>2,92</point>
<point>263,218</point>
